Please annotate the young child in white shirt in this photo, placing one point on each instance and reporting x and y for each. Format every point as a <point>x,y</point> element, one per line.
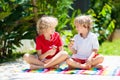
<point>84,46</point>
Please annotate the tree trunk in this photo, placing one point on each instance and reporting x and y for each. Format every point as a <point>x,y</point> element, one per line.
<point>35,10</point>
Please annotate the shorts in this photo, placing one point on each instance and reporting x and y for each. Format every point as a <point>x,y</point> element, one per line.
<point>82,61</point>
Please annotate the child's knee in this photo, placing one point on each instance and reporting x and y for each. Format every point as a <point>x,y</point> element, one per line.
<point>68,61</point>
<point>64,53</point>
<point>26,56</point>
<point>101,59</point>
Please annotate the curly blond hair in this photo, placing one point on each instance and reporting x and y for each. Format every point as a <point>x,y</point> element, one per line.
<point>85,20</point>
<point>46,22</point>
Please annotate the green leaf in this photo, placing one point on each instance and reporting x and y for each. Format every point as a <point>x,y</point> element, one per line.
<point>4,14</point>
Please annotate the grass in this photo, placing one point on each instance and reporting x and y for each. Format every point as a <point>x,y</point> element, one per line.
<point>110,48</point>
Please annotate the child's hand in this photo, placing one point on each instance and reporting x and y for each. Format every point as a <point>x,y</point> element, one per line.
<point>88,66</point>
<point>89,62</point>
<point>71,44</point>
<point>71,48</point>
<point>54,47</point>
<point>52,50</point>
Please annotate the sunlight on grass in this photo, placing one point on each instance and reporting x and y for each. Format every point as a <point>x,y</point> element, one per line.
<point>110,48</point>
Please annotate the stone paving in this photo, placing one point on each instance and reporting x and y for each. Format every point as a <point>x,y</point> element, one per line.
<point>9,69</point>
<point>15,66</point>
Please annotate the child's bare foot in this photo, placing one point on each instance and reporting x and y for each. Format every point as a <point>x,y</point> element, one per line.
<point>56,67</point>
<point>32,66</point>
<point>85,66</point>
<point>98,66</point>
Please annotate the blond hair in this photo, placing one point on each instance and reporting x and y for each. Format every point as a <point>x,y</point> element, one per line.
<point>46,22</point>
<point>84,20</point>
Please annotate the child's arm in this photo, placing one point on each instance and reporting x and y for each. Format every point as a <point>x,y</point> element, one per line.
<point>61,48</point>
<point>49,52</point>
<point>93,53</point>
<point>89,60</point>
<point>70,47</point>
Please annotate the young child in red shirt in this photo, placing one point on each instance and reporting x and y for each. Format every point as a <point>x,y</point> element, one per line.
<point>49,45</point>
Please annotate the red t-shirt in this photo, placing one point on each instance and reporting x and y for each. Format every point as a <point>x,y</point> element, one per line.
<point>45,45</point>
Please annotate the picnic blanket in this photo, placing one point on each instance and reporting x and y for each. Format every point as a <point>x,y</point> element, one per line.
<point>106,71</point>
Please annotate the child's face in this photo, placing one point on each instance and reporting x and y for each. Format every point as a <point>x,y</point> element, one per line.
<point>50,30</point>
<point>80,28</point>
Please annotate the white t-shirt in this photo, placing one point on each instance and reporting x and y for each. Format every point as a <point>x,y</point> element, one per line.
<point>84,46</point>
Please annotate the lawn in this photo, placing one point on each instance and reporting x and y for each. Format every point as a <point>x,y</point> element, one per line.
<point>110,48</point>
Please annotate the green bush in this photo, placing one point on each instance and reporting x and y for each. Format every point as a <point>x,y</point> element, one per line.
<point>16,24</point>
<point>116,12</point>
<point>18,20</point>
<point>104,23</point>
